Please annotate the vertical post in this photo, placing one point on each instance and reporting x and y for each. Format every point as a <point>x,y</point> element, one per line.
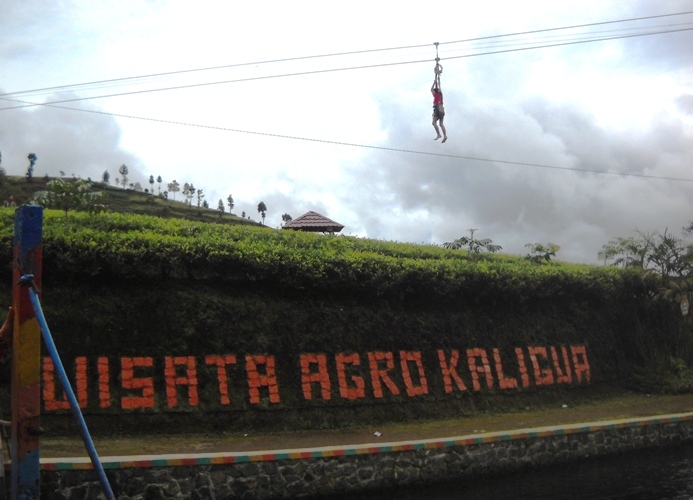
<point>26,357</point>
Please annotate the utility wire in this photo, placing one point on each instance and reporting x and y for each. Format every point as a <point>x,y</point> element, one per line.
<point>380,148</point>
<point>571,27</point>
<point>314,72</point>
<point>337,54</point>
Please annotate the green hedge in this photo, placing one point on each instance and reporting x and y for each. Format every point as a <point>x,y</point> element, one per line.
<point>125,285</point>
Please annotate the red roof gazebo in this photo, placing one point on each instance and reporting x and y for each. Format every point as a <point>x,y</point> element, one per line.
<point>313,221</point>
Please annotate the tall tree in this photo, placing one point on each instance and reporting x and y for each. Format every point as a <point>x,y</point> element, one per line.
<point>200,196</point>
<point>173,187</point>
<point>229,200</point>
<point>286,218</point>
<point>220,206</point>
<point>123,171</point>
<point>159,180</point>
<point>105,177</point>
<point>151,183</point>
<point>30,170</point>
<point>262,209</point>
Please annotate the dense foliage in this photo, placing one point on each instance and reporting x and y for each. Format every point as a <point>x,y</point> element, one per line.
<point>130,285</point>
<point>121,245</point>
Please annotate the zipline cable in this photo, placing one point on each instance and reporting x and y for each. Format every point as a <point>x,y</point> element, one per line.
<point>320,71</point>
<point>336,54</point>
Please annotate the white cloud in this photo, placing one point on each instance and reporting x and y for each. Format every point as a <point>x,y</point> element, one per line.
<point>623,106</point>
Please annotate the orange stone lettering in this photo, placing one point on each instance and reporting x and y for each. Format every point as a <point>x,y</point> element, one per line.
<point>49,401</point>
<point>542,376</point>
<point>522,367</point>
<point>378,374</point>
<point>504,382</point>
<point>104,383</point>
<point>561,377</point>
<point>346,391</point>
<point>475,369</point>
<point>449,371</point>
<point>222,377</point>
<point>580,363</point>
<point>412,390</point>
<point>321,376</point>
<point>82,383</point>
<point>173,380</point>
<point>130,382</point>
<point>256,380</point>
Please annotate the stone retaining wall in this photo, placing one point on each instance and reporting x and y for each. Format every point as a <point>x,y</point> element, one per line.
<point>332,470</point>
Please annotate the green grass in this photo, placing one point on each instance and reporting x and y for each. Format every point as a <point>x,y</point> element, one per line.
<point>127,201</point>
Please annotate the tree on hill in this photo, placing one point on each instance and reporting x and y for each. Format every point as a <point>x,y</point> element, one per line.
<point>220,206</point>
<point>151,183</point>
<point>159,180</point>
<point>200,196</point>
<point>173,187</point>
<point>30,170</point>
<point>229,200</point>
<point>286,218</point>
<point>262,209</point>
<point>105,177</point>
<point>124,171</point>
<point>66,195</point>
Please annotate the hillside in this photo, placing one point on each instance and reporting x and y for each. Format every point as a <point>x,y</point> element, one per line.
<point>124,201</point>
<point>290,330</point>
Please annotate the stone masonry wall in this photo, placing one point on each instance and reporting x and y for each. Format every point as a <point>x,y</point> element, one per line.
<point>340,470</point>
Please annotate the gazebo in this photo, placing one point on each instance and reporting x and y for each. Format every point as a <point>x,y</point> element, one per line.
<point>313,221</point>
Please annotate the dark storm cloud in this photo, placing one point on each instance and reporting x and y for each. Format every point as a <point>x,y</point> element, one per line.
<point>518,204</point>
<point>80,143</point>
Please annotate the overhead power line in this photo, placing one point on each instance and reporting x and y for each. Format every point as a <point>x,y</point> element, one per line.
<point>381,148</point>
<point>331,70</point>
<point>100,83</point>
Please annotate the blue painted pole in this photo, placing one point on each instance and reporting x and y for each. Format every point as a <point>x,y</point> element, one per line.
<point>74,405</point>
<point>26,357</point>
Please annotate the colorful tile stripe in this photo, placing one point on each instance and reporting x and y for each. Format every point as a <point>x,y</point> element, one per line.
<point>146,461</point>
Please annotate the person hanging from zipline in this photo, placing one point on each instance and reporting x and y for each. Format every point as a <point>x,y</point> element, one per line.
<point>438,109</point>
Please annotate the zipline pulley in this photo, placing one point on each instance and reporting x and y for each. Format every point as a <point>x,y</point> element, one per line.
<point>438,68</point>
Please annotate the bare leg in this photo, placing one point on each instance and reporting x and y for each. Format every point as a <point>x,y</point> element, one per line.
<point>435,126</point>
<point>445,134</point>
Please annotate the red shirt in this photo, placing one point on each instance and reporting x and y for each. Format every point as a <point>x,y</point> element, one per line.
<point>437,97</point>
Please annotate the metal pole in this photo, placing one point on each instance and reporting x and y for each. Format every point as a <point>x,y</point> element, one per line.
<point>74,405</point>
<point>26,357</point>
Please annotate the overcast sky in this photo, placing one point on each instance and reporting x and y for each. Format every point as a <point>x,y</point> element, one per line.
<point>357,145</point>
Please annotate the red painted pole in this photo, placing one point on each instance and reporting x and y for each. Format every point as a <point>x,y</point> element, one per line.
<point>26,357</point>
